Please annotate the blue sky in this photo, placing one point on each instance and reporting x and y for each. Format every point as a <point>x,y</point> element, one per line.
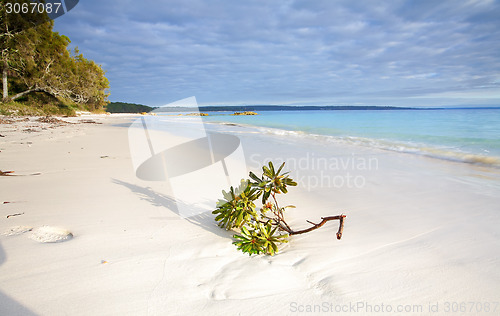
<point>402,53</point>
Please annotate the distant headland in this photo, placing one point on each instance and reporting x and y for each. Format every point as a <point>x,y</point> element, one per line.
<point>122,107</point>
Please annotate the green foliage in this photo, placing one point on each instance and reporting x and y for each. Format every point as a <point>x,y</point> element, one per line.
<point>36,59</point>
<point>272,182</point>
<point>34,105</point>
<point>19,22</point>
<point>87,82</point>
<point>260,239</point>
<point>236,209</point>
<point>263,228</point>
<point>121,107</point>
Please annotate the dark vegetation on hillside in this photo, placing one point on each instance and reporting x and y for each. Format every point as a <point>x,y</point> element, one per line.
<point>123,107</point>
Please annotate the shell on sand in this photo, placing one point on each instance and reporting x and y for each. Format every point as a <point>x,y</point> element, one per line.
<point>51,234</point>
<point>17,230</point>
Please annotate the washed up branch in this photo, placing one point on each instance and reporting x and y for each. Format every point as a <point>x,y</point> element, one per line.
<point>10,174</point>
<point>262,229</point>
<point>324,220</point>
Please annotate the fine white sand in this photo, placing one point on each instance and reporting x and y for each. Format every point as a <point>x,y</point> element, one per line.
<point>421,235</point>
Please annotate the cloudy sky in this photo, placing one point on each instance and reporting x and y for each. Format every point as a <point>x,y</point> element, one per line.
<point>403,53</point>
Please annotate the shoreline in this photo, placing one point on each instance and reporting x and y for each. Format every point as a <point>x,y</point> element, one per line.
<point>418,231</point>
<point>423,150</point>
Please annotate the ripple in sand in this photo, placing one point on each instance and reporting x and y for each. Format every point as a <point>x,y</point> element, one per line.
<point>51,234</point>
<point>17,230</point>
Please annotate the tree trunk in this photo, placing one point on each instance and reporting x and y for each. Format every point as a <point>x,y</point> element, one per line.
<point>4,80</point>
<point>20,94</point>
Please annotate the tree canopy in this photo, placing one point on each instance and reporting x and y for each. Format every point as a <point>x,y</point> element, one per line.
<point>37,59</point>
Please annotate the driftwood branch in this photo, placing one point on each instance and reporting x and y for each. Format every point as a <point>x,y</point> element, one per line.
<point>323,222</point>
<point>341,227</point>
<point>10,174</point>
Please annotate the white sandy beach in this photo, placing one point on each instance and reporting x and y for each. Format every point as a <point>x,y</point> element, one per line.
<point>421,235</point>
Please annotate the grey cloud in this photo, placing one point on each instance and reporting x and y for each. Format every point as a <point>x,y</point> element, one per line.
<point>280,52</point>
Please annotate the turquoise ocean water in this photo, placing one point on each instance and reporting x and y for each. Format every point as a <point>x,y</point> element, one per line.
<point>464,135</point>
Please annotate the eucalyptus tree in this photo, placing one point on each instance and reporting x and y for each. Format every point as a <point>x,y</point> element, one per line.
<point>11,26</point>
<point>38,60</point>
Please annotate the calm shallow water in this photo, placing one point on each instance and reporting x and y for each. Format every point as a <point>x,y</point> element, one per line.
<point>468,135</point>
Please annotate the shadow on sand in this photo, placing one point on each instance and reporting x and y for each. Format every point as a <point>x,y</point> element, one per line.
<point>204,220</point>
<point>8,306</point>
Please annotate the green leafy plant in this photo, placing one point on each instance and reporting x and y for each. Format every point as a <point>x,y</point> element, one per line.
<point>260,239</point>
<point>236,209</point>
<point>262,229</point>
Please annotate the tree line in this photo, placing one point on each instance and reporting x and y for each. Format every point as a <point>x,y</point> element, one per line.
<point>35,59</point>
<point>124,107</point>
